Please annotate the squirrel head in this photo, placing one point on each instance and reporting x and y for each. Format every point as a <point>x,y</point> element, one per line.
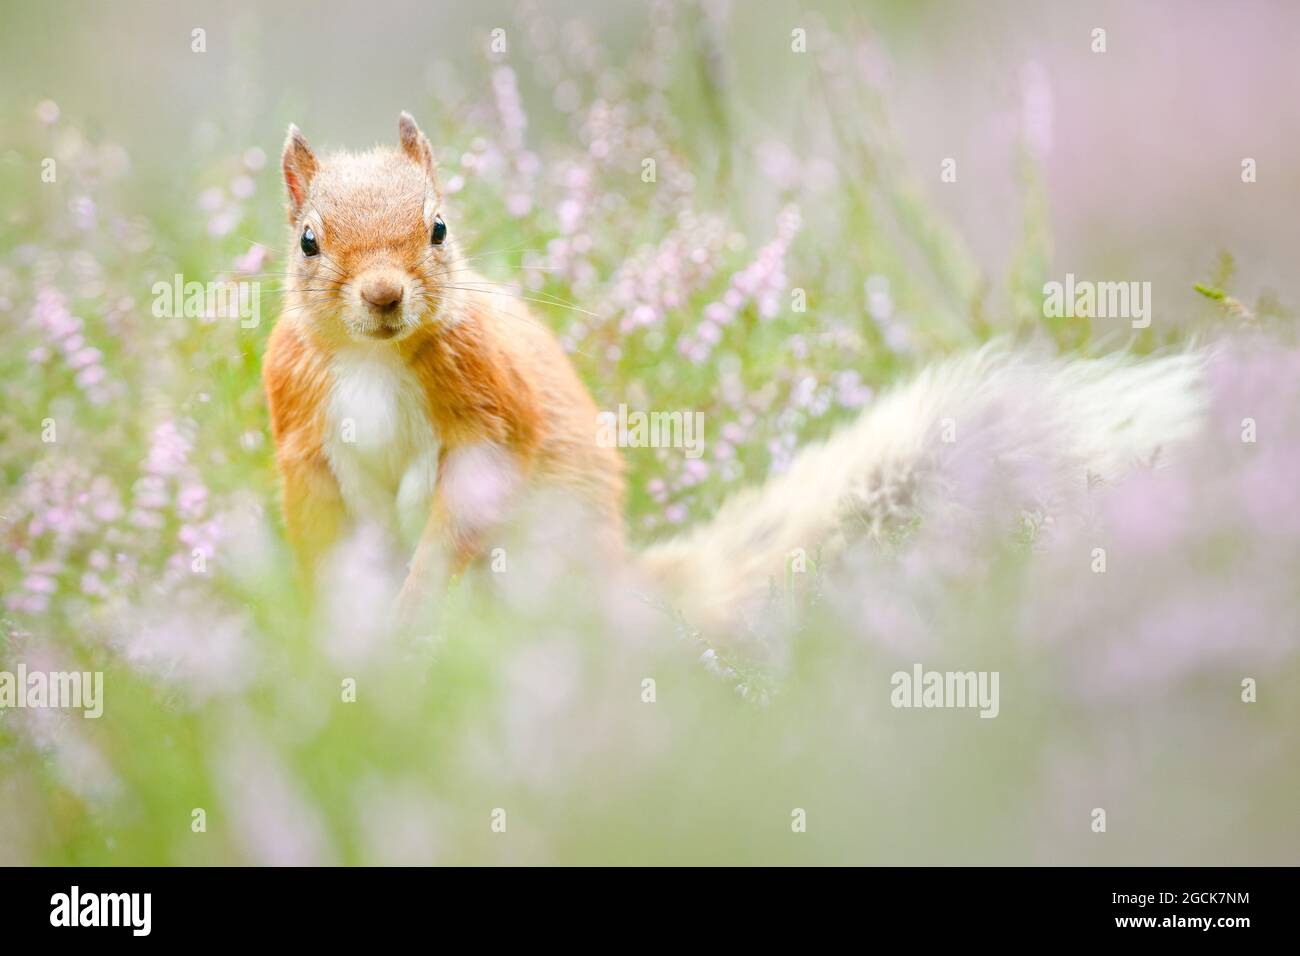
<point>371,256</point>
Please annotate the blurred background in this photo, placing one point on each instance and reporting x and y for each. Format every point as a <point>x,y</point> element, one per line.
<point>143,538</point>
<point>1140,147</point>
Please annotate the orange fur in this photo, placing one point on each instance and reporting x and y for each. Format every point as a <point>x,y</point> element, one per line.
<point>490,376</point>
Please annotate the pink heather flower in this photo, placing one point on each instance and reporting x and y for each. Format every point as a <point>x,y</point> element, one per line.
<point>83,358</point>
<point>897,337</point>
<point>661,278</point>
<point>762,282</point>
<point>569,213</point>
<point>477,483</point>
<point>696,469</point>
<point>780,165</point>
<point>151,492</point>
<point>47,112</point>
<point>211,199</point>
<point>88,379</point>
<point>223,222</point>
<point>83,213</point>
<point>880,304</point>
<point>92,585</point>
<point>40,584</point>
<point>52,316</point>
<point>187,641</point>
<point>802,393</point>
<point>782,449</point>
<point>200,537</point>
<point>510,108</point>
<point>168,451</point>
<point>528,163</point>
<point>147,520</point>
<point>253,260</point>
<point>850,392</point>
<point>26,603</point>
<point>64,331</point>
<point>191,501</point>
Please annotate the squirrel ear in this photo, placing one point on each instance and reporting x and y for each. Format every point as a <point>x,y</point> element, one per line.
<point>299,165</point>
<point>415,144</point>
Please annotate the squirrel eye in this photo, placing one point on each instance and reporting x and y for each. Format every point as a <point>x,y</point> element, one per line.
<point>308,243</point>
<point>439,231</point>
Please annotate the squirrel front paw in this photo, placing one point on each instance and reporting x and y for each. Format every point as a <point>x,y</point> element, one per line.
<point>414,602</point>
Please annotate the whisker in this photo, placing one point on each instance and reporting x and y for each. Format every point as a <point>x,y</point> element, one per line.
<point>327,261</point>
<point>295,308</point>
<point>492,252</point>
<point>484,254</point>
<point>425,296</point>
<point>274,275</point>
<point>452,272</point>
<point>522,298</point>
<point>550,297</point>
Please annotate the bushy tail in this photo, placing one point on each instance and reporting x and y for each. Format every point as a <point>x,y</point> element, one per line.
<point>1068,422</point>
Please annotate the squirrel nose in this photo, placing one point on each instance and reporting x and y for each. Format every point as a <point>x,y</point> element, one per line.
<point>382,293</point>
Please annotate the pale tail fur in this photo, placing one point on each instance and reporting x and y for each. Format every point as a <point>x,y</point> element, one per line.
<point>1072,423</point>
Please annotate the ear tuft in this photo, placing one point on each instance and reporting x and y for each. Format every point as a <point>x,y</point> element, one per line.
<point>415,144</point>
<point>299,165</point>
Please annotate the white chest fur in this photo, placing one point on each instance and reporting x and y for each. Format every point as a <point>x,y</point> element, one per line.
<point>380,442</point>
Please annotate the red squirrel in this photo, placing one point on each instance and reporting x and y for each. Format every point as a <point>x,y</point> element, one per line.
<point>407,392</point>
<point>404,389</point>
